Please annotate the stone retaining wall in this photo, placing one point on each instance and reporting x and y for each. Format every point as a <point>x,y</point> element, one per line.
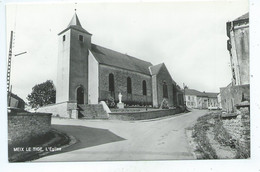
<point>23,126</point>
<point>144,114</point>
<point>239,129</point>
<point>63,109</point>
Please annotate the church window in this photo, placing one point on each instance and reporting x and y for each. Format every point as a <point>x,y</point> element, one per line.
<point>129,85</point>
<point>64,37</point>
<point>81,39</point>
<point>165,91</point>
<point>144,88</point>
<point>111,83</point>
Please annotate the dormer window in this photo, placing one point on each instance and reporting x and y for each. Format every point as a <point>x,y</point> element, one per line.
<point>64,38</point>
<point>81,38</point>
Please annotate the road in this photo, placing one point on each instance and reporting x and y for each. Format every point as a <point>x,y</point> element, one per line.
<point>157,139</point>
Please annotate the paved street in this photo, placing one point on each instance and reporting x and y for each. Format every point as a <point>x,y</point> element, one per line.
<point>157,139</point>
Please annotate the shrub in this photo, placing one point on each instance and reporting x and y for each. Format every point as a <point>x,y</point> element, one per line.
<point>110,102</point>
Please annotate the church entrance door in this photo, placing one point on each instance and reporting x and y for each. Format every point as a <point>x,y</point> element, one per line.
<point>80,95</point>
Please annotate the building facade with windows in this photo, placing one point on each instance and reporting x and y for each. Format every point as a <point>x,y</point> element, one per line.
<point>191,98</point>
<point>89,73</point>
<point>200,100</point>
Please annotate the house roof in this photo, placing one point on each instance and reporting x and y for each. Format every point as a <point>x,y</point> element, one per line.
<point>200,94</point>
<point>16,97</point>
<point>116,59</point>
<point>212,95</point>
<point>192,92</point>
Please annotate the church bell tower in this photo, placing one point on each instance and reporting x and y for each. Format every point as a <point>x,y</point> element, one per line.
<point>72,76</point>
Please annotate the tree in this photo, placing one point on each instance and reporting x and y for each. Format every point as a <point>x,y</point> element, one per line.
<point>42,94</point>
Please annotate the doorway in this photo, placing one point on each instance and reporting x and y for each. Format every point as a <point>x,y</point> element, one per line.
<point>80,95</point>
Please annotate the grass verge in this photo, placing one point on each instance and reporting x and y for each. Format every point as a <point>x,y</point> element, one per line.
<point>199,135</point>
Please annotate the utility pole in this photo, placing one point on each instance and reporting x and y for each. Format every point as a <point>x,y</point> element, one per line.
<point>10,54</point>
<point>9,69</point>
<point>9,61</point>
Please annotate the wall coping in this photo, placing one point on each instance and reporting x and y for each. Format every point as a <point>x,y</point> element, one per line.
<point>57,104</point>
<point>30,114</point>
<point>157,110</point>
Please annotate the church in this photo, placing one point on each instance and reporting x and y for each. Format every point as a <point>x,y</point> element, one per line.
<point>88,74</point>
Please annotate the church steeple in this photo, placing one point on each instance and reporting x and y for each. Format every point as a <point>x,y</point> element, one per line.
<point>75,24</point>
<point>74,21</point>
<point>73,53</point>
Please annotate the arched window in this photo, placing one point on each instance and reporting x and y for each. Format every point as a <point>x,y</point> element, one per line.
<point>129,85</point>
<point>111,83</point>
<point>80,95</point>
<point>144,88</point>
<point>165,90</point>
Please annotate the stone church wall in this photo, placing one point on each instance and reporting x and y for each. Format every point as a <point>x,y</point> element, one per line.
<point>164,76</point>
<point>120,79</point>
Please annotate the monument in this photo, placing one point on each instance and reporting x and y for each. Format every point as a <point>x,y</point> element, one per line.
<point>120,105</point>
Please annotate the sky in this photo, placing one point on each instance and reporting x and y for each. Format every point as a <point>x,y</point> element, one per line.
<point>189,37</point>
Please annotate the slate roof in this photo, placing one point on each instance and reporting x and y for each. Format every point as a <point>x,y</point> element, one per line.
<point>200,94</point>
<point>154,70</point>
<point>74,21</point>
<point>16,97</point>
<point>212,95</point>
<point>75,24</point>
<point>116,59</point>
<point>192,92</point>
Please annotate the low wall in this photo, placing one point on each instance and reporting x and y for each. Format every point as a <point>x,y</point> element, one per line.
<point>23,126</point>
<point>144,114</point>
<point>64,109</point>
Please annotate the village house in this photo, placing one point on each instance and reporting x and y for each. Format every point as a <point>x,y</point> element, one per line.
<point>15,101</point>
<point>200,100</point>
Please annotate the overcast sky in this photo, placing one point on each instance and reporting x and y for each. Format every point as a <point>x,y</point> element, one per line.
<point>189,37</point>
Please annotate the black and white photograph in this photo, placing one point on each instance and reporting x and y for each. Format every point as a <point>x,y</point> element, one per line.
<point>128,81</point>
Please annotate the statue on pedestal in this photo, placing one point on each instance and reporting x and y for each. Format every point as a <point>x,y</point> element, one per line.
<point>120,105</point>
<point>120,97</point>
